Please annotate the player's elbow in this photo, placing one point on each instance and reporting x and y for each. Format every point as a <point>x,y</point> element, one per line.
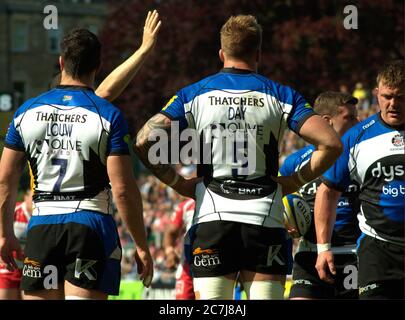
<point>124,192</point>
<point>336,147</point>
<point>333,147</point>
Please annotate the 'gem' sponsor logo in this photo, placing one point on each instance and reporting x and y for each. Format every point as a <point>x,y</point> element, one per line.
<point>206,257</point>
<point>31,269</point>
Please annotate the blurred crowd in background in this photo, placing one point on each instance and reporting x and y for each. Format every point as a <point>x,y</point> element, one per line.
<point>306,46</point>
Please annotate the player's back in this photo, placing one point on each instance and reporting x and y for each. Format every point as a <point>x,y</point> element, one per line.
<point>67,134</point>
<point>240,118</point>
<point>253,110</point>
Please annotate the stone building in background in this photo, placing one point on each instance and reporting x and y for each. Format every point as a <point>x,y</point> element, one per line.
<point>29,52</point>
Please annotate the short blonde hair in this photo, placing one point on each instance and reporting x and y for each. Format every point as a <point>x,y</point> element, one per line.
<point>392,74</point>
<point>328,103</point>
<point>241,36</point>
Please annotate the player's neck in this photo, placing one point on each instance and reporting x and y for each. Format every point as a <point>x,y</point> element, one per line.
<point>67,80</point>
<point>238,64</point>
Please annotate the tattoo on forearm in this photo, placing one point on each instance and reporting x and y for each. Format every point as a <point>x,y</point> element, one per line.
<point>164,172</point>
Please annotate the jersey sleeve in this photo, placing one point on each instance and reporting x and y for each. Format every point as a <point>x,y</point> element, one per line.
<point>119,137</point>
<point>338,175</point>
<point>174,109</point>
<point>289,165</point>
<point>300,112</point>
<point>13,137</point>
<point>177,217</point>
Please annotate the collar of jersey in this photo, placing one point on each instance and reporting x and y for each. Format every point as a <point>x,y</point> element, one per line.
<point>398,128</point>
<point>236,70</point>
<point>73,87</point>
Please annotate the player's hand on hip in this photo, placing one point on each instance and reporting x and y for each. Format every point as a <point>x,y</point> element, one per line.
<point>10,248</point>
<point>144,263</point>
<point>288,184</point>
<point>325,266</point>
<point>186,187</point>
<point>150,30</point>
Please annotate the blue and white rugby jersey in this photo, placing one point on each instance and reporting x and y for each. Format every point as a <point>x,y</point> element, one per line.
<point>67,134</point>
<point>238,104</point>
<point>346,230</point>
<point>374,156</point>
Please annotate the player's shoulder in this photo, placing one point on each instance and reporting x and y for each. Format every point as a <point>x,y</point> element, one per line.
<point>282,92</point>
<point>105,108</point>
<point>28,104</point>
<point>363,130</point>
<point>202,86</point>
<point>367,123</point>
<point>100,102</point>
<point>223,81</point>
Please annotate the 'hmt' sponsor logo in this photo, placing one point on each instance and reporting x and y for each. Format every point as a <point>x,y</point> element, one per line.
<point>206,257</point>
<point>32,268</point>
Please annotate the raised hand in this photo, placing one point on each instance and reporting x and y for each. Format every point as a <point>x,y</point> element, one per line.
<point>150,30</point>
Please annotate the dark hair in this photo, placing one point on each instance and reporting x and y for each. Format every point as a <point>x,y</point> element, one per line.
<point>327,103</point>
<point>81,52</point>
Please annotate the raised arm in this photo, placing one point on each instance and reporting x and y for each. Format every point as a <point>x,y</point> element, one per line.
<point>118,80</point>
<point>325,216</point>
<point>129,204</point>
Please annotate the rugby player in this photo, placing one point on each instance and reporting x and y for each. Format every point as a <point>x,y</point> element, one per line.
<point>238,225</point>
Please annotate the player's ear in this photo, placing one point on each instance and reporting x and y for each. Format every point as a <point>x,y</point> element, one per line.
<point>61,63</point>
<point>328,119</point>
<point>221,55</point>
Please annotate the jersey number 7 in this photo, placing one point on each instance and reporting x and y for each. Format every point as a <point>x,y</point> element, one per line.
<point>63,165</point>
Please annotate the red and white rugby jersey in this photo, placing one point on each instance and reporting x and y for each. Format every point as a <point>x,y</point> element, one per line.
<point>21,218</point>
<point>183,215</point>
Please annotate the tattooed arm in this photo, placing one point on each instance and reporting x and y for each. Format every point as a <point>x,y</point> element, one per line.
<point>164,172</point>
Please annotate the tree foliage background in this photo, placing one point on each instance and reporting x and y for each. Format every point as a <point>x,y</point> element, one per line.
<point>305,45</point>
